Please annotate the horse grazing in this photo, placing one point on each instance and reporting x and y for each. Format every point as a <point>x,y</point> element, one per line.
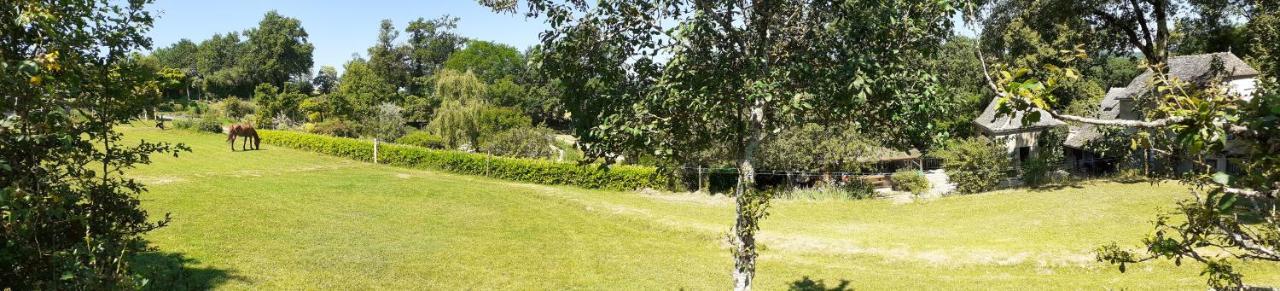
<point>245,131</point>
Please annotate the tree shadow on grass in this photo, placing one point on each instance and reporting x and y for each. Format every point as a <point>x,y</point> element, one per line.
<point>807,284</point>
<point>175,271</point>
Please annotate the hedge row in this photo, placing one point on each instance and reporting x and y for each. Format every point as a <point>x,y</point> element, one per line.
<point>615,177</point>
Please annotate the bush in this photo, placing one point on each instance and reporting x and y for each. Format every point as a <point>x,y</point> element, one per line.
<point>1038,170</point>
<point>1130,175</point>
<point>385,123</point>
<point>233,108</point>
<point>335,127</point>
<point>1035,172</point>
<point>974,164</point>
<point>910,181</point>
<point>205,123</point>
<point>617,177</point>
<point>422,139</point>
<point>853,190</point>
<point>522,143</point>
<point>463,125</point>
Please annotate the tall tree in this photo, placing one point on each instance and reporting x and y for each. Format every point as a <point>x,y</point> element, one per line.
<point>276,50</point>
<point>362,88</point>
<point>430,42</point>
<point>217,62</point>
<point>326,80</point>
<point>488,60</point>
<point>1211,26</point>
<point>671,78</point>
<point>387,59</point>
<point>179,55</point>
<point>69,218</point>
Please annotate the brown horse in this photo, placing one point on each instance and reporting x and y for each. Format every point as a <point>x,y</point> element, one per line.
<point>242,130</point>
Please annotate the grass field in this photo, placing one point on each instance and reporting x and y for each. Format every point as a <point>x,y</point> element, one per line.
<point>286,219</point>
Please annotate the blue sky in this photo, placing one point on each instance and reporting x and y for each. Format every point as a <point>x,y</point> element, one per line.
<point>336,28</point>
<point>339,29</point>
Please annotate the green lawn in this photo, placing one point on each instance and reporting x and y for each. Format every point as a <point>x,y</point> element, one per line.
<point>281,218</point>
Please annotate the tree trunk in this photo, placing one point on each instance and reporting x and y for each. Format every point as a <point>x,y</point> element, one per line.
<point>748,212</point>
<point>744,241</point>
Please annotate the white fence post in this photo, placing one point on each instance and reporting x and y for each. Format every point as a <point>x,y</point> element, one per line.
<point>375,150</point>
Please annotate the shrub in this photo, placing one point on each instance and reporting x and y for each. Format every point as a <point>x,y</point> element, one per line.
<point>617,177</point>
<point>1129,175</point>
<point>335,127</point>
<point>853,190</point>
<point>1049,154</point>
<point>205,123</point>
<point>526,142</point>
<point>385,123</point>
<point>910,181</point>
<point>493,120</point>
<point>197,108</point>
<point>974,164</point>
<point>1035,172</point>
<point>233,108</point>
<point>422,139</point>
<point>814,147</point>
<point>463,125</point>
<point>571,152</point>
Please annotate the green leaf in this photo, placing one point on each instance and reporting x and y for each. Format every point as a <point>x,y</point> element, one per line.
<point>1227,202</point>
<point>1221,178</point>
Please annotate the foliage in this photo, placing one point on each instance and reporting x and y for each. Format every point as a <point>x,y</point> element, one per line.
<point>385,123</point>
<point>206,123</point>
<point>217,61</point>
<point>1048,157</point>
<point>910,181</point>
<point>455,86</point>
<point>179,55</point>
<point>69,218</point>
<point>522,142</point>
<point>420,108</point>
<point>326,80</point>
<point>422,139</point>
<point>464,125</point>
<point>429,43</point>
<point>1036,171</point>
<point>817,148</point>
<point>852,190</point>
<point>488,60</point>
<point>964,92</point>
<point>334,127</point>
<point>522,170</point>
<point>273,104</point>
<point>974,164</point>
<point>233,108</point>
<point>363,89</point>
<point>493,120</point>
<point>1115,71</point>
<point>386,59</point>
<point>276,50</point>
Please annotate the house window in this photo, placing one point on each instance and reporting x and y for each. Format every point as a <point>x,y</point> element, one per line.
<point>1023,154</point>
